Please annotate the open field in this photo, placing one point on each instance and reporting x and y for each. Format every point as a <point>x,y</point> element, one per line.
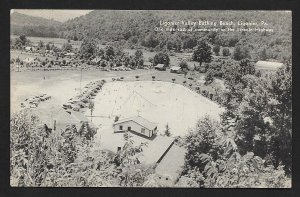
<point>56,41</point>
<point>23,55</point>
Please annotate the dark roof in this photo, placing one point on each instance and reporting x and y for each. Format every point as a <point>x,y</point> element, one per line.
<point>139,120</point>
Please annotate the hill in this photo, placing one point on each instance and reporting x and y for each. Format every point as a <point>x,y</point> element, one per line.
<point>25,20</point>
<point>33,26</point>
<point>134,29</point>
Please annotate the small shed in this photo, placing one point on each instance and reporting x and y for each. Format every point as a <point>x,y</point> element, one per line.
<point>160,67</point>
<point>175,69</point>
<point>148,64</point>
<point>137,125</point>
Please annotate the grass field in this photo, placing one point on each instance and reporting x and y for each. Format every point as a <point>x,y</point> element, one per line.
<point>23,55</point>
<point>56,41</point>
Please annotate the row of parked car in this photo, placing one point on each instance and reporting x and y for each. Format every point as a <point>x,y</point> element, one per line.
<point>82,100</point>
<point>34,101</point>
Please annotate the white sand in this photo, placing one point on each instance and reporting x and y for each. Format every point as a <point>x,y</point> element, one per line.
<point>159,102</point>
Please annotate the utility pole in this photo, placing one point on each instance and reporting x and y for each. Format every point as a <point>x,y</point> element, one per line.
<point>80,78</point>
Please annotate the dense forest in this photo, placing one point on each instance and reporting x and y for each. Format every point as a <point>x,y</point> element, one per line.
<point>132,29</point>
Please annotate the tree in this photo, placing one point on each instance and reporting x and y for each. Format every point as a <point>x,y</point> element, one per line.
<point>153,78</point>
<point>213,160</point>
<point>87,131</point>
<point>173,80</point>
<point>209,77</point>
<point>265,125</point>
<point>201,140</point>
<point>110,52</point>
<point>41,45</point>
<point>139,59</point>
<point>263,54</point>
<point>88,48</point>
<point>138,54</point>
<point>189,43</point>
<point>234,75</point>
<point>23,38</point>
<point>216,49</point>
<point>184,67</point>
<point>167,131</point>
<point>240,53</point>
<point>91,107</point>
<point>225,52</point>
<point>30,148</point>
<point>150,41</point>
<point>202,53</point>
<point>67,46</point>
<point>150,59</point>
<point>48,46</point>
<point>161,58</point>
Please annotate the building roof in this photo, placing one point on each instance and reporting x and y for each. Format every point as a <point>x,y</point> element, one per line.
<point>268,64</point>
<point>96,59</point>
<point>139,120</point>
<point>28,59</point>
<point>147,63</point>
<point>155,149</point>
<point>28,48</point>
<point>175,68</point>
<point>159,66</point>
<point>172,163</point>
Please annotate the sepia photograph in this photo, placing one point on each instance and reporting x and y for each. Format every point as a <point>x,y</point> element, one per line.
<point>151,98</point>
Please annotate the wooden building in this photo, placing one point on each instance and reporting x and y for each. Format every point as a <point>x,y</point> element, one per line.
<point>137,125</point>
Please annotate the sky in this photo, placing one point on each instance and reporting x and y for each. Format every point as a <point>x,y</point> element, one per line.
<point>58,15</point>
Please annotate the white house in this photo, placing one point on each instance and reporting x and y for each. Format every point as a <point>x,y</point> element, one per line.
<point>137,125</point>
